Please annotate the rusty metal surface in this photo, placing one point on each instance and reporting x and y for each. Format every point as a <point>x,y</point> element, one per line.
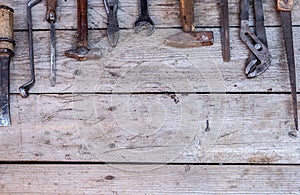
<point>286,20</point>
<point>225,37</point>
<point>187,15</point>
<point>284,5</point>
<point>82,24</point>
<point>82,52</point>
<point>191,39</point>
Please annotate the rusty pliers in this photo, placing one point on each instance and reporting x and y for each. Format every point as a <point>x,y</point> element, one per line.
<point>111,7</point>
<point>260,58</point>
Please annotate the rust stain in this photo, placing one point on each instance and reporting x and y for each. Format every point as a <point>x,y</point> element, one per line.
<point>263,159</point>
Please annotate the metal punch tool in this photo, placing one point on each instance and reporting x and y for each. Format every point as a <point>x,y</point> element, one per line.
<point>260,58</point>
<point>111,7</point>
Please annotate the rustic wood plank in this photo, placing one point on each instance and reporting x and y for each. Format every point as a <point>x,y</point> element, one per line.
<point>165,13</point>
<point>151,128</point>
<point>146,59</point>
<point>170,179</point>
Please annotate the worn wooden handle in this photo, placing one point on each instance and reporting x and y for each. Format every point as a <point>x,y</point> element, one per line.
<point>6,28</point>
<point>284,5</point>
<point>187,15</point>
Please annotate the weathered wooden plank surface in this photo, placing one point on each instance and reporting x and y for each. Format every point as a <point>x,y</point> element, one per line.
<point>151,128</point>
<point>139,59</point>
<point>120,179</point>
<point>165,13</point>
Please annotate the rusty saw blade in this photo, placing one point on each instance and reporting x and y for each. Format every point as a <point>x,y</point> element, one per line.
<point>285,7</point>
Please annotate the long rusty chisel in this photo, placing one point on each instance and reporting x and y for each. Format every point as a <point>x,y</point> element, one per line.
<point>51,18</point>
<point>225,38</point>
<point>285,8</point>
<point>6,52</point>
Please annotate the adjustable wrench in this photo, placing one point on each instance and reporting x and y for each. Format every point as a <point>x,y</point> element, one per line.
<point>144,19</point>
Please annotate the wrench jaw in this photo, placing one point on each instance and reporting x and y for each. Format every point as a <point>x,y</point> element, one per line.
<point>255,67</point>
<point>262,57</point>
<point>144,23</point>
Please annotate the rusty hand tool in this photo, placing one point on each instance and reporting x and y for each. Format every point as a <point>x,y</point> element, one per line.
<point>285,7</point>
<point>82,52</point>
<point>24,89</point>
<point>6,52</point>
<point>260,58</point>
<point>225,37</point>
<point>111,8</point>
<point>144,19</point>
<point>51,18</point>
<point>189,38</point>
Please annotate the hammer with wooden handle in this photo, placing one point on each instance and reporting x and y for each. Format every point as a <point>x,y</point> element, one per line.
<point>82,52</point>
<point>6,52</point>
<point>190,37</point>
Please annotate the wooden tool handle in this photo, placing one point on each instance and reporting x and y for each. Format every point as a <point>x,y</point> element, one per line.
<point>187,15</point>
<point>51,10</point>
<point>6,29</point>
<point>284,5</point>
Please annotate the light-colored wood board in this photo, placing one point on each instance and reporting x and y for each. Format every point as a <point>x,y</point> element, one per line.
<point>163,179</point>
<point>165,13</point>
<point>145,60</point>
<point>151,128</point>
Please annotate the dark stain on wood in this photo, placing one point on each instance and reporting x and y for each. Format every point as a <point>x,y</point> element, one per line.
<point>109,177</point>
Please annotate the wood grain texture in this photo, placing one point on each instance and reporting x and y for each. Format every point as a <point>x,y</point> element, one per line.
<point>151,128</point>
<point>150,61</point>
<point>172,179</point>
<point>165,13</point>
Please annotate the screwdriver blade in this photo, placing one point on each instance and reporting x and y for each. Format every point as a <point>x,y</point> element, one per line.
<point>53,53</point>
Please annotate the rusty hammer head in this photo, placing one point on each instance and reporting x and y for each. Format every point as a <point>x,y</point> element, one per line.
<point>82,53</point>
<point>189,38</point>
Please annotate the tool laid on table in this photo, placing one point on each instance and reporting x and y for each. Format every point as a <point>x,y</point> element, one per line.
<point>225,38</point>
<point>113,34</point>
<point>260,58</point>
<point>189,38</point>
<point>284,7</point>
<point>24,89</point>
<point>144,19</point>
<point>7,44</point>
<point>82,52</point>
<point>51,18</point>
